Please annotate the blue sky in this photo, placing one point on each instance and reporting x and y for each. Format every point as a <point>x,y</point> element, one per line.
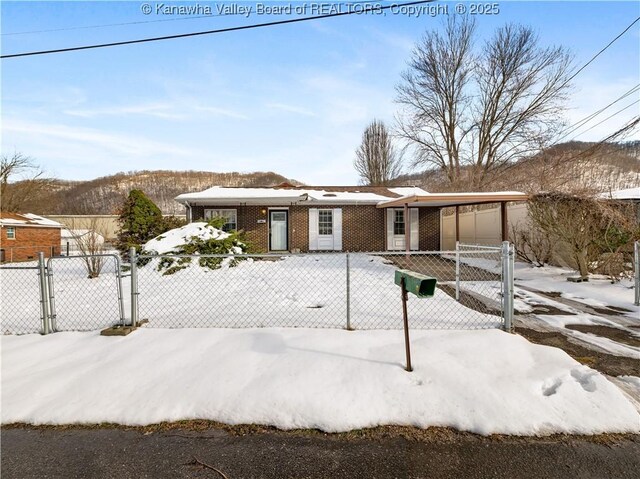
<point>292,99</point>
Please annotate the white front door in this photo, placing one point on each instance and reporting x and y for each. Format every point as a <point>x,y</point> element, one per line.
<point>396,238</point>
<point>278,230</point>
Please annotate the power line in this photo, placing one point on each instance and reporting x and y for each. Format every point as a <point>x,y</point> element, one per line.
<point>579,124</point>
<point>211,32</point>
<point>142,22</point>
<point>106,25</point>
<point>601,51</point>
<point>607,118</point>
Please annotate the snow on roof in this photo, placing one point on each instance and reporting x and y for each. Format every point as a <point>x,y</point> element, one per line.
<point>451,199</point>
<point>27,219</point>
<point>319,194</point>
<point>408,190</point>
<point>627,194</point>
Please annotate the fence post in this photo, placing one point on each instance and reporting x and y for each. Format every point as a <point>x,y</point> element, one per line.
<point>636,262</point>
<point>44,294</point>
<point>348,294</point>
<point>119,287</point>
<point>507,285</point>
<point>53,321</point>
<point>134,286</point>
<point>457,270</point>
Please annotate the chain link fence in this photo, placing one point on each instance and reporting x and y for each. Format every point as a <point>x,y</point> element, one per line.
<point>468,293</point>
<point>85,292</point>
<point>21,299</point>
<point>329,290</point>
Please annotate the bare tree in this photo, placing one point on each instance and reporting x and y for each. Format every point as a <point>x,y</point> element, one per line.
<point>20,181</point>
<point>532,245</point>
<point>90,244</point>
<point>595,230</point>
<point>470,113</point>
<point>377,160</point>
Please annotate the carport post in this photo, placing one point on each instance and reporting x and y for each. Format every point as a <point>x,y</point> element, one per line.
<point>134,286</point>
<point>44,294</point>
<point>507,284</point>
<point>636,262</point>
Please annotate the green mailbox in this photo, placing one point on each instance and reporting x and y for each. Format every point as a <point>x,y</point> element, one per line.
<point>419,284</point>
<point>423,287</point>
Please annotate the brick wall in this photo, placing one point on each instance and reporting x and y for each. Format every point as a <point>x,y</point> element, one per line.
<point>363,227</point>
<point>29,241</point>
<point>429,226</point>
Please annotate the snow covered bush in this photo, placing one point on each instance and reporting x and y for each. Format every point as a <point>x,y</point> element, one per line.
<point>200,238</point>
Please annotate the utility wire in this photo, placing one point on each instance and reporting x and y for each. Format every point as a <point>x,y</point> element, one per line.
<point>209,32</point>
<point>579,124</point>
<point>607,118</point>
<point>601,51</point>
<point>142,22</point>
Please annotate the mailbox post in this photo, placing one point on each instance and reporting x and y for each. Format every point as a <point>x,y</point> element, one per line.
<point>420,285</point>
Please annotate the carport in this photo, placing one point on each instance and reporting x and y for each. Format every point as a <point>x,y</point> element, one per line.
<point>442,200</point>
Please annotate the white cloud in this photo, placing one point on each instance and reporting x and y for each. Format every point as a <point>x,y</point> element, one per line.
<point>62,143</point>
<point>178,110</point>
<point>158,110</point>
<point>222,112</point>
<point>290,109</point>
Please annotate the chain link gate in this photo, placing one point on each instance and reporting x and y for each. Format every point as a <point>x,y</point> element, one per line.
<point>21,300</point>
<point>85,292</point>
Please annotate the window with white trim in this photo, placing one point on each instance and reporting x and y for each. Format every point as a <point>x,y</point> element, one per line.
<point>11,233</point>
<point>325,222</point>
<point>398,222</point>
<point>230,217</point>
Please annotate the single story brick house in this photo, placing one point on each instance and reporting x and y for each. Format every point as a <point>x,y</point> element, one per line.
<point>24,235</point>
<point>333,218</point>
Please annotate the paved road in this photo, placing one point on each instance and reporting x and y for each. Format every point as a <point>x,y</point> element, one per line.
<point>116,453</point>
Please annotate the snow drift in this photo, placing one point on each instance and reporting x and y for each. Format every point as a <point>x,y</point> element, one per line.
<point>334,380</point>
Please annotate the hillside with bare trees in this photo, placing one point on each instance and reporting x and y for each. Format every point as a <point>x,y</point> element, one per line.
<point>573,166</point>
<point>104,195</point>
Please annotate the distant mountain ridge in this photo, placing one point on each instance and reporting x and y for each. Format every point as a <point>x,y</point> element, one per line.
<point>571,166</point>
<point>104,195</point>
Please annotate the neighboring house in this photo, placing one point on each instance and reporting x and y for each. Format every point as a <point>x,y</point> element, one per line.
<point>333,218</point>
<point>23,235</point>
<point>629,195</point>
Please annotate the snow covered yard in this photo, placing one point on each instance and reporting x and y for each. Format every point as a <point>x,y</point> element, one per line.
<point>598,292</point>
<point>295,291</point>
<point>334,380</point>
<point>546,299</point>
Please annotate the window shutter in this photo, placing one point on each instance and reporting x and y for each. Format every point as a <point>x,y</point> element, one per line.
<point>313,229</point>
<point>389,212</point>
<point>337,229</point>
<point>415,224</point>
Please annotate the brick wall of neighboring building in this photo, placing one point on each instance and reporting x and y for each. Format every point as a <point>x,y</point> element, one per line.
<point>29,241</point>
<point>363,226</point>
